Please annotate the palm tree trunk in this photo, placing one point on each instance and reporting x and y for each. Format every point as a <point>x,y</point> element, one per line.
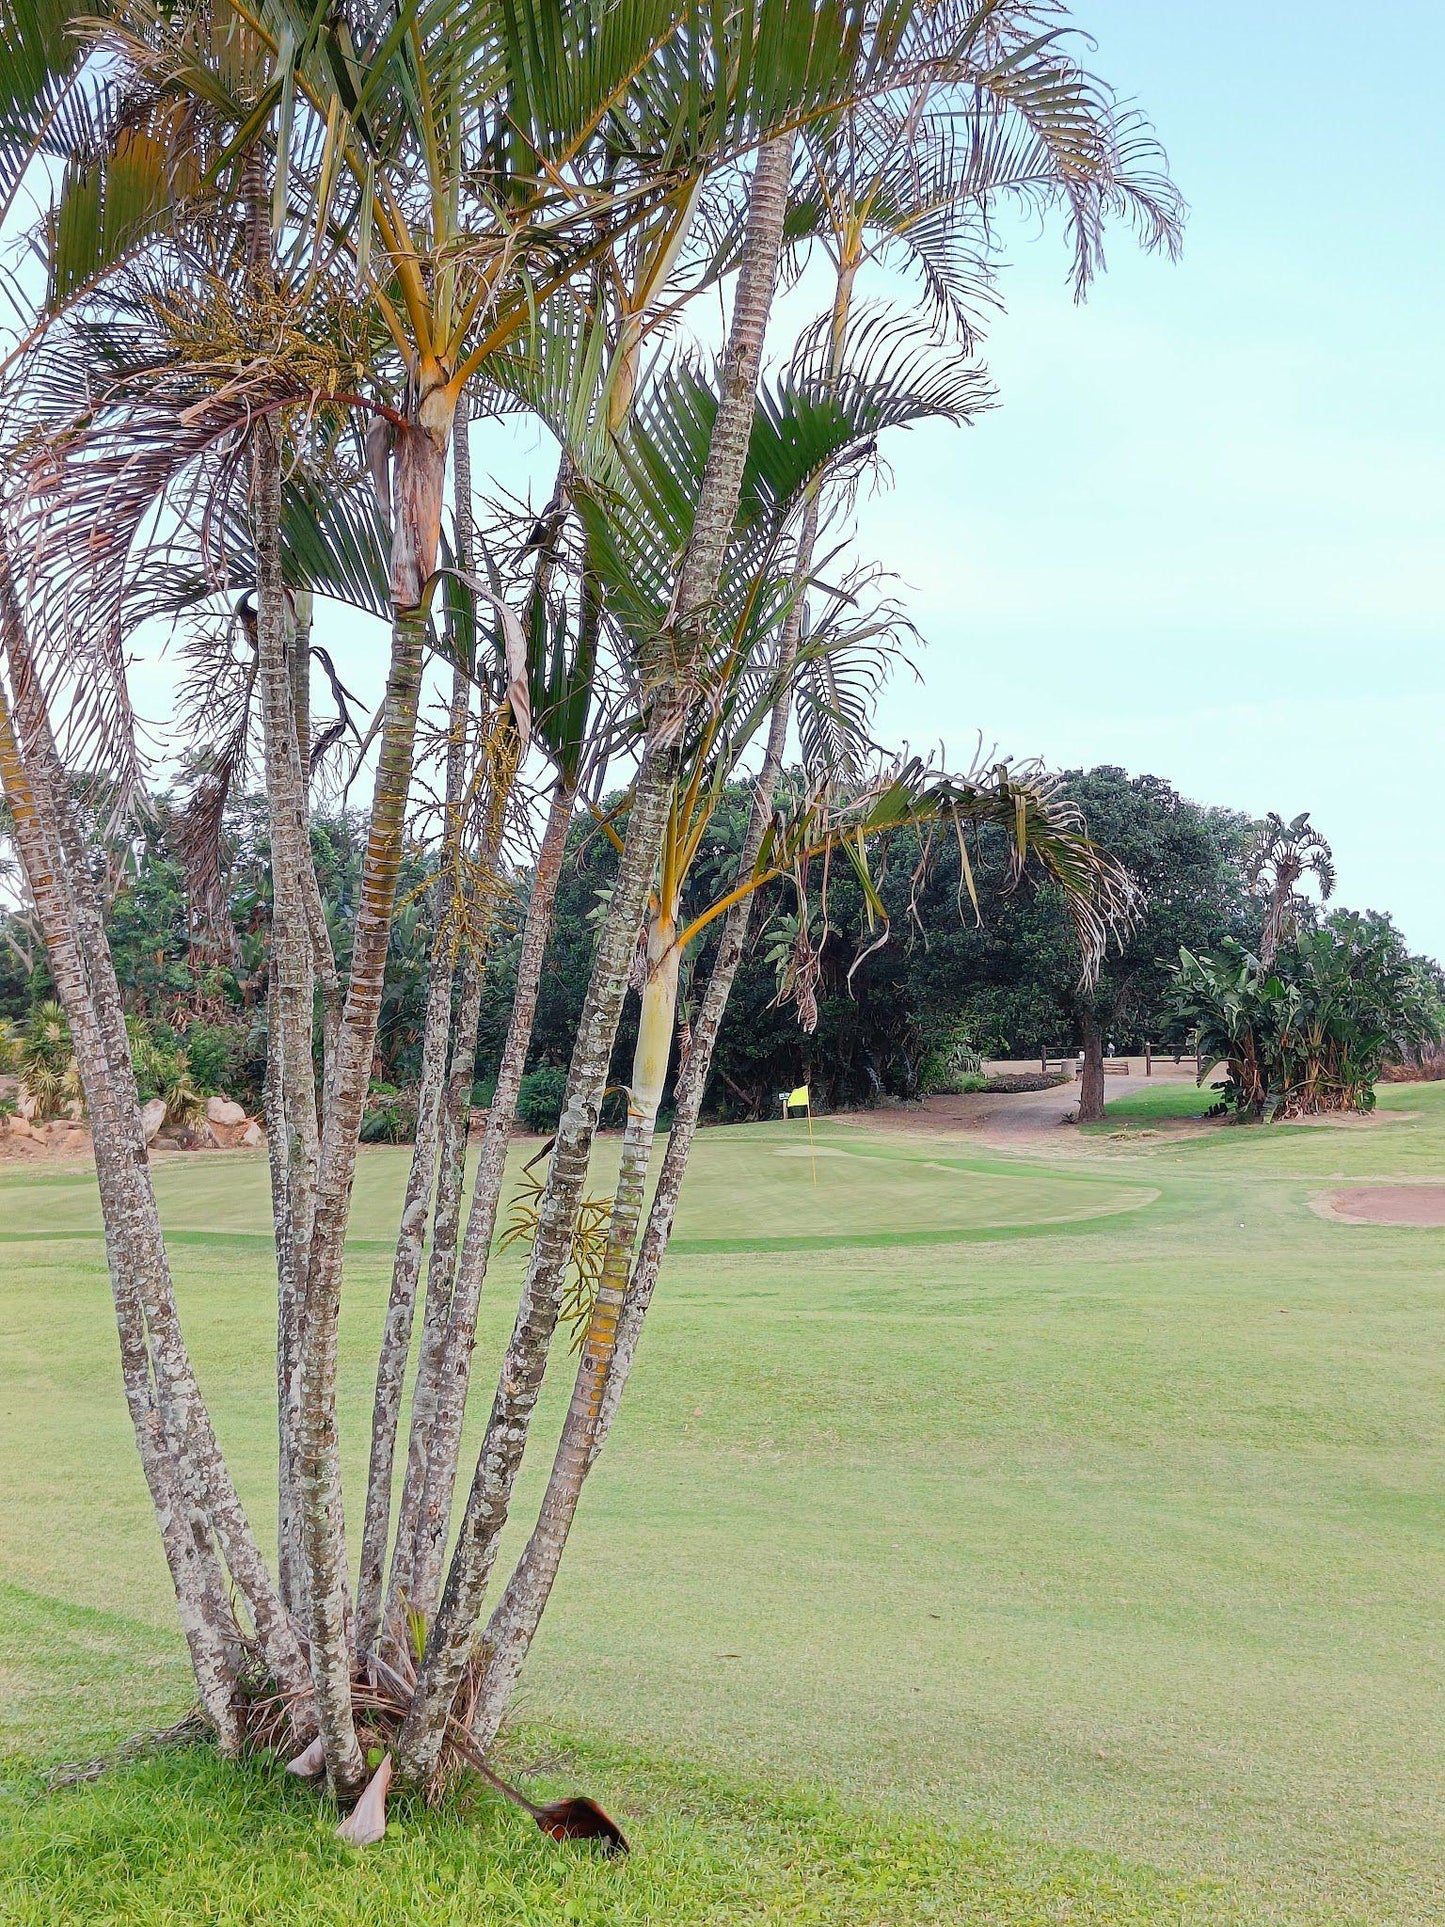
<point>196,1576</point>
<point>446,1219</point>
<point>295,1143</point>
<point>454,1628</point>
<point>613,1331</point>
<point>322,1513</point>
<point>421,1181</point>
<point>517,1616</point>
<point>126,1191</point>
<point>611,1344</point>
<point>291,1564</point>
<point>520,1380</point>
<point>693,1077</point>
<point>420,465</point>
<point>444,1370</point>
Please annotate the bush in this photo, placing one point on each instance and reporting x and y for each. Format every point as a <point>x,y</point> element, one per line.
<point>212,1052</point>
<point>163,1070</point>
<point>48,1069</point>
<point>539,1101</point>
<point>953,1063</point>
<point>390,1115</point>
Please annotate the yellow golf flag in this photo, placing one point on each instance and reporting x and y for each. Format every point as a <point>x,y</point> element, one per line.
<point>799,1097</point>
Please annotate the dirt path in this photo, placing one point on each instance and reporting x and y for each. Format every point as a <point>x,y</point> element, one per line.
<point>1012,1118</point>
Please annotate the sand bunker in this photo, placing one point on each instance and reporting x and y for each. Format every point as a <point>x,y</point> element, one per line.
<point>1422,1204</point>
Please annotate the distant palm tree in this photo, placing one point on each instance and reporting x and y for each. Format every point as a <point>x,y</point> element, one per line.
<point>1279,855</point>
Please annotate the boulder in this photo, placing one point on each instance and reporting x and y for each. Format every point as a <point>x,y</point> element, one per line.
<point>253,1136</point>
<point>152,1117</point>
<point>27,1106</point>
<point>220,1110</point>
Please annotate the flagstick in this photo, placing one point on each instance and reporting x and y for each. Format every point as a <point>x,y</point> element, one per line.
<point>812,1148</point>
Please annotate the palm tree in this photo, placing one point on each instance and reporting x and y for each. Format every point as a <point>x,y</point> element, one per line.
<point>373,131</point>
<point>50,102</point>
<point>678,648</point>
<point>1278,857</point>
<point>879,185</point>
<point>487,1503</point>
<point>424,193</point>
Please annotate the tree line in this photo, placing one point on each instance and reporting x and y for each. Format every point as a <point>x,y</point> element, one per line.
<point>953,984</point>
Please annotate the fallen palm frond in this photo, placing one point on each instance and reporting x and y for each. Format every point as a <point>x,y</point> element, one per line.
<point>191,1730</point>
<point>382,1695</point>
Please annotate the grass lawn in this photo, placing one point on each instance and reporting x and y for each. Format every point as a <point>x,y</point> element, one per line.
<point>1053,1538</point>
<point>1168,1098</point>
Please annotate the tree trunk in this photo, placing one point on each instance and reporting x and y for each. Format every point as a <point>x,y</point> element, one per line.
<point>291,1563</point>
<point>518,1614</point>
<point>612,1338</point>
<point>126,1190</point>
<point>295,1143</point>
<point>421,1182</point>
<point>196,1576</point>
<point>521,1376</point>
<point>444,1372</point>
<point>417,492</point>
<point>516,1619</point>
<point>454,1628</point>
<point>1091,1084</point>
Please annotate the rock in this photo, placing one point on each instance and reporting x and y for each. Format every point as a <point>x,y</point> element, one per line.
<point>220,1110</point>
<point>253,1136</point>
<point>27,1106</point>
<point>152,1117</point>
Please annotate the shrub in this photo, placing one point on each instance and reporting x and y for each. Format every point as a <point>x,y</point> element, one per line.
<point>1313,1030</point>
<point>163,1070</point>
<point>539,1101</point>
<point>954,1058</point>
<point>48,1071</point>
<point>390,1115</point>
<point>212,1052</point>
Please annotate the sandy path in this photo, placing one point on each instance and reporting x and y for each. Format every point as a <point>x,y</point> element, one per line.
<point>1011,1118</point>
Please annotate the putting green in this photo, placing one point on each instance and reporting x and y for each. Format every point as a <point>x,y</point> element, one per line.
<point>765,1181</point>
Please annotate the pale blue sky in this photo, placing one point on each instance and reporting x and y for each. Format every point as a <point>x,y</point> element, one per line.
<point>1201,534</point>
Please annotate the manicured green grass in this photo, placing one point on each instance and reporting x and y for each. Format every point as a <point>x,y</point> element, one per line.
<point>1168,1098</point>
<point>983,1510</point>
